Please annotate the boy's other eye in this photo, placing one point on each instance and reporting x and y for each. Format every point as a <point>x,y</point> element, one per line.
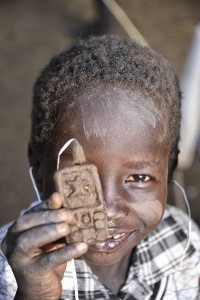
<point>137,178</point>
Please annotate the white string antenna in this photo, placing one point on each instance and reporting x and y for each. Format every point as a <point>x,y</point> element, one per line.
<point>124,21</point>
<point>34,184</point>
<point>189,222</point>
<point>63,148</point>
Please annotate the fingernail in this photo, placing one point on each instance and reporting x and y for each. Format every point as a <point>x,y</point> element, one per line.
<point>81,246</point>
<point>63,227</point>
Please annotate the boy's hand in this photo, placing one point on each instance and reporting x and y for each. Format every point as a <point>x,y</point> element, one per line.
<point>36,260</point>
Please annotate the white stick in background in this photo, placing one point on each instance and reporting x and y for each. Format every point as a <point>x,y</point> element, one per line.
<point>190,85</point>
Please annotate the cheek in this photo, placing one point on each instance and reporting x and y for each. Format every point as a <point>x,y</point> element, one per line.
<point>149,213</point>
<point>155,213</point>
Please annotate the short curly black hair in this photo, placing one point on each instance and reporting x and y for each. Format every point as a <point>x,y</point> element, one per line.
<point>105,60</point>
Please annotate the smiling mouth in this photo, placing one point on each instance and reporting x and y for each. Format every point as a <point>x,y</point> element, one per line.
<point>112,243</point>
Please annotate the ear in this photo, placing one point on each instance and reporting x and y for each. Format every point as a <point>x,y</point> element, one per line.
<point>35,160</point>
<point>173,162</point>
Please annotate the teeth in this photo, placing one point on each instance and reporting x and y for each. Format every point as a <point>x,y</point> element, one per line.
<point>117,236</point>
<point>110,237</point>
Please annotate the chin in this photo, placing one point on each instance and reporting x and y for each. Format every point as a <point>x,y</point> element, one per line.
<point>100,259</point>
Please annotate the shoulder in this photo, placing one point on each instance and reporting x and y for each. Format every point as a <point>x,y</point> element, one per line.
<point>183,280</point>
<point>7,279</point>
<point>3,230</point>
<point>182,238</point>
<point>175,218</point>
<point>173,245</point>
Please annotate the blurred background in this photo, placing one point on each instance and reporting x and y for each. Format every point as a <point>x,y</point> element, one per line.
<point>31,32</point>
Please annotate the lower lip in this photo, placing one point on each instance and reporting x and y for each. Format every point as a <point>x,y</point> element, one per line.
<point>110,245</point>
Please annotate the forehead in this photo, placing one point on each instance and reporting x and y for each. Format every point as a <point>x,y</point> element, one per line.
<point>112,115</point>
<point>100,107</point>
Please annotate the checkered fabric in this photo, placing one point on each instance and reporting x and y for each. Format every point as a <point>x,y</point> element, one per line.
<point>159,269</point>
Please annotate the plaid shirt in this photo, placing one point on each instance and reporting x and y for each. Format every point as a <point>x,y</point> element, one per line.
<point>157,269</point>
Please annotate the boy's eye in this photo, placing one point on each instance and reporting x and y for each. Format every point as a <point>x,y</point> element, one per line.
<point>137,178</point>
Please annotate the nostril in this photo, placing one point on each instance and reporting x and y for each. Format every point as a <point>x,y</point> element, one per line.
<point>114,217</point>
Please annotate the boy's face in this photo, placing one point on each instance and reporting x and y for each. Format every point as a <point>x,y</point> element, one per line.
<point>126,140</point>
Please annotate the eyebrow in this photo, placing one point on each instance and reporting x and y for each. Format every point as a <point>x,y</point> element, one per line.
<point>142,164</point>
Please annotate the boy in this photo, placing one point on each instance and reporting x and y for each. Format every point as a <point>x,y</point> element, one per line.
<point>121,101</point>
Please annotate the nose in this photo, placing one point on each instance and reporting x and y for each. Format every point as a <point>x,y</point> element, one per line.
<point>115,215</point>
<point>115,208</point>
<point>115,203</point>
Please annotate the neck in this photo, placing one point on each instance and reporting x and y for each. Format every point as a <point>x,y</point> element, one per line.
<point>113,276</point>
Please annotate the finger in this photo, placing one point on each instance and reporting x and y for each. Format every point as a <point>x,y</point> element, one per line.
<point>54,202</point>
<point>28,221</point>
<point>30,242</point>
<point>51,260</point>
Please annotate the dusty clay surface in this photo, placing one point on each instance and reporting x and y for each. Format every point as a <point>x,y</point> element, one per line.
<point>33,31</point>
